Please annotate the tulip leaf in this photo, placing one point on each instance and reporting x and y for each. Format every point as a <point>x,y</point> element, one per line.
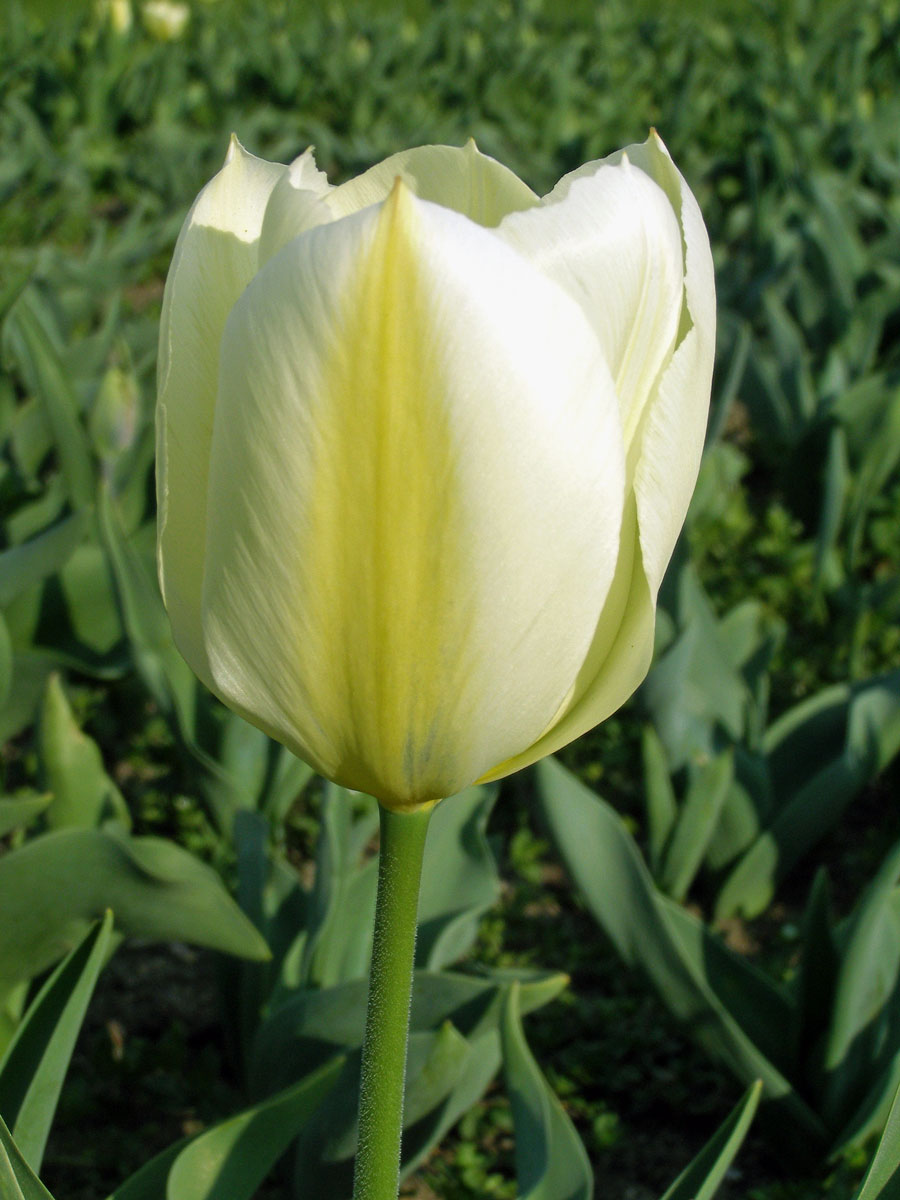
<point>867,985</point>
<point>269,893</point>
<point>551,1162</point>
<point>471,1006</point>
<point>83,793</point>
<point>89,600</point>
<point>837,486</point>
<point>697,684</point>
<point>717,994</point>
<point>459,878</point>
<point>662,807</point>
<point>20,810</point>
<point>34,1064</point>
<point>230,1160</point>
<point>48,379</point>
<point>288,779</point>
<point>821,753</point>
<point>882,1180</point>
<point>435,1062</point>
<point>342,903</point>
<point>30,563</point>
<point>817,972</point>
<point>17,1180</point>
<point>162,669</point>
<point>697,820</point>
<point>701,1179</point>
<point>6,662</point>
<point>481,1065</point>
<point>54,886</point>
<point>314,1024</point>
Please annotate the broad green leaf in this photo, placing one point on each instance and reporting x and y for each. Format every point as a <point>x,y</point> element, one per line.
<point>83,793</point>
<point>342,902</point>
<point>696,823</point>
<point>701,1179</point>
<point>713,991</point>
<point>20,810</point>
<point>697,685</point>
<point>17,1180</point>
<point>816,977</point>
<point>23,566</point>
<point>269,892</point>
<point>87,592</point>
<point>230,1160</point>
<point>836,489</point>
<point>31,670</point>
<point>551,1162</point>
<point>661,805</point>
<point>820,755</point>
<point>865,994</point>
<point>459,877</point>
<point>34,1064</point>
<point>745,810</point>
<point>765,1010</point>
<point>882,1181</point>
<point>315,1024</point>
<point>289,778</point>
<point>437,1065</point>
<point>55,886</point>
<point>481,1065</point>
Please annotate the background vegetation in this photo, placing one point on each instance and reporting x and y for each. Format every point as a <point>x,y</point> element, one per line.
<point>762,746</point>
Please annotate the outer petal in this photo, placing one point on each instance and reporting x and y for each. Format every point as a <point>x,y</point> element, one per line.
<point>215,258</point>
<point>616,663</point>
<point>608,234</point>
<point>463,179</point>
<point>417,451</point>
<point>671,438</point>
<point>664,456</point>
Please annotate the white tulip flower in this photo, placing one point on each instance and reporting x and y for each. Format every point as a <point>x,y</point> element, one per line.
<point>426,442</point>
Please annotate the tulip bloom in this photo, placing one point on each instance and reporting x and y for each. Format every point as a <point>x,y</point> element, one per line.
<point>426,442</point>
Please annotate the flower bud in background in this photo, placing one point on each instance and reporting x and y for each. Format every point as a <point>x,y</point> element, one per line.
<point>425,445</point>
<point>117,13</point>
<point>165,20</point>
<point>114,418</point>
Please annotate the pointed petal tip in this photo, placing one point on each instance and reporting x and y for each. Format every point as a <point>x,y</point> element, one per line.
<point>657,143</point>
<point>234,148</point>
<point>298,167</point>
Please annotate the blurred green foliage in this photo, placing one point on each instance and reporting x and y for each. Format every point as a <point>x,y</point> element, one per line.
<point>785,118</point>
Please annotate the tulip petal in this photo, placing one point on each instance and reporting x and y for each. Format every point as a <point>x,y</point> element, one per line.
<point>462,179</point>
<point>297,203</point>
<point>671,440</point>
<point>215,258</point>
<point>616,663</point>
<point>608,235</point>
<point>416,489</point>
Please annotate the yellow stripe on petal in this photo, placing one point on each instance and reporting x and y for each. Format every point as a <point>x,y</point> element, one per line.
<point>385,522</point>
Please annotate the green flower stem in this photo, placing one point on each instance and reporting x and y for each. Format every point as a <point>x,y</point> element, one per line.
<point>387,1019</point>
